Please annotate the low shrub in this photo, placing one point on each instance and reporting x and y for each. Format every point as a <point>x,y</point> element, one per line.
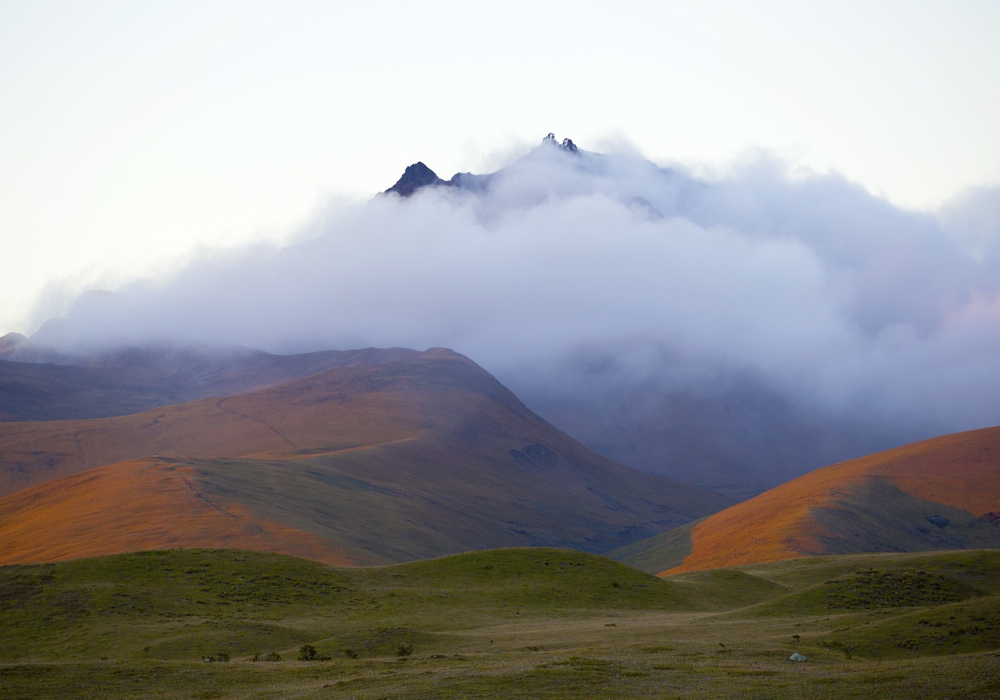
<point>307,652</point>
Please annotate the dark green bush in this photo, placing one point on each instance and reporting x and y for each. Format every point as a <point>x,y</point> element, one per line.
<point>307,652</point>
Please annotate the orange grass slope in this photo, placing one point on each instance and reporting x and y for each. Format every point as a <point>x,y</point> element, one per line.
<point>422,457</point>
<point>142,505</point>
<point>942,493</point>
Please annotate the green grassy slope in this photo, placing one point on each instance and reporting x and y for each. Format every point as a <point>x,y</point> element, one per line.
<point>181,604</point>
<point>540,623</point>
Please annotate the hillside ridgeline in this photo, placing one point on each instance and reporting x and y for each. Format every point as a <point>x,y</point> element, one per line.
<point>40,384</point>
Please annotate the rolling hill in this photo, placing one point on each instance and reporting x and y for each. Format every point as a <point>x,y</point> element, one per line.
<point>509,623</point>
<point>936,494</point>
<point>378,463</point>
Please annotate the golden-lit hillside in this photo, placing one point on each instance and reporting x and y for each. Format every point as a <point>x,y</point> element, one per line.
<point>942,493</point>
<point>140,505</point>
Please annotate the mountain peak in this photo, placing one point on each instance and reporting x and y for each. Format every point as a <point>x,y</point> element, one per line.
<point>566,145</point>
<point>414,177</point>
<point>418,175</point>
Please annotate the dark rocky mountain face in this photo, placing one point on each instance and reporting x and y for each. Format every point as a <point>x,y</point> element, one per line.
<point>419,176</point>
<point>415,177</point>
<point>566,145</point>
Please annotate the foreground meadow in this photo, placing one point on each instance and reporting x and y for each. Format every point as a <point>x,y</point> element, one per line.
<point>518,623</point>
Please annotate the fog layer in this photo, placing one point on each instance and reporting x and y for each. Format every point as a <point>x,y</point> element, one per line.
<point>569,274</point>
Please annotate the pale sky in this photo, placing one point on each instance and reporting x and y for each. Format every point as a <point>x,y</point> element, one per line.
<point>133,135</point>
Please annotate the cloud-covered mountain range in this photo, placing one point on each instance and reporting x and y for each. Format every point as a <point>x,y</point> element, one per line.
<point>781,319</point>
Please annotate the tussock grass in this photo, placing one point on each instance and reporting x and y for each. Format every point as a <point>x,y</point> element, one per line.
<point>517,623</point>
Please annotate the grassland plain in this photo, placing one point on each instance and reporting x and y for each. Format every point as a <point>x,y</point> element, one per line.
<point>515,623</point>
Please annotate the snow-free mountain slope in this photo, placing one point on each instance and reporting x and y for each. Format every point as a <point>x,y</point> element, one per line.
<point>394,462</point>
<point>942,493</point>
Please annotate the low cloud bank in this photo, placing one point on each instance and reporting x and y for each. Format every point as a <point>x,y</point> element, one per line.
<point>569,272</point>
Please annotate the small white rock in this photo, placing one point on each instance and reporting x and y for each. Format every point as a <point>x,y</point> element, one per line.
<point>797,657</point>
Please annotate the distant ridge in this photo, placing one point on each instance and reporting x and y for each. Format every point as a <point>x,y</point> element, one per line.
<point>43,385</point>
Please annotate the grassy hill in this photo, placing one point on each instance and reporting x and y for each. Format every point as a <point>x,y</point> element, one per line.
<point>388,463</point>
<point>539,622</point>
<point>936,494</point>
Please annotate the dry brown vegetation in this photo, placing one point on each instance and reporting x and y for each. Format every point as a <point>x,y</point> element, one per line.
<point>140,505</point>
<point>898,500</point>
<point>415,458</point>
